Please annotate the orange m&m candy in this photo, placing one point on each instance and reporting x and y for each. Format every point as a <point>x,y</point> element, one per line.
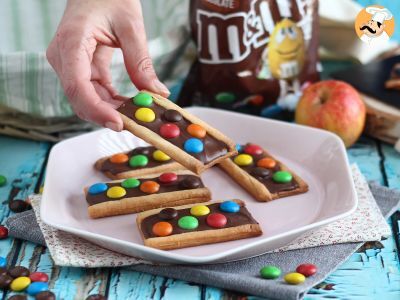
<point>196,130</point>
<point>149,187</point>
<point>119,158</point>
<point>162,229</point>
<point>266,162</point>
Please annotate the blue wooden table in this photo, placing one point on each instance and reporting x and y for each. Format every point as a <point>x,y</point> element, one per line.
<point>371,273</point>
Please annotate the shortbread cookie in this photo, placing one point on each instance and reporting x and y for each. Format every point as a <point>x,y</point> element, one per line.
<point>134,195</point>
<point>182,136</point>
<point>140,161</point>
<point>194,225</point>
<point>394,80</point>
<point>263,176</point>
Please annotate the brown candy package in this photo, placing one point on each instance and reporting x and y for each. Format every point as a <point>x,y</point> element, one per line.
<point>254,56</point>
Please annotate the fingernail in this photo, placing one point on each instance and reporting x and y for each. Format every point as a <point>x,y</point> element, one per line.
<point>113,126</point>
<point>162,88</point>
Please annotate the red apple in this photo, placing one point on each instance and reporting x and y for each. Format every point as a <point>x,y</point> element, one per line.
<point>335,106</point>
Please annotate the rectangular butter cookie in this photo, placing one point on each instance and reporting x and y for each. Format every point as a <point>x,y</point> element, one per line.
<point>182,136</point>
<point>198,224</point>
<point>263,176</point>
<point>140,161</point>
<point>134,195</point>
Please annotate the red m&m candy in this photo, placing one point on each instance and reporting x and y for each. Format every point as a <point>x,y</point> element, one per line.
<point>253,149</point>
<point>168,177</point>
<point>216,220</point>
<point>169,131</point>
<point>306,269</point>
<point>39,277</point>
<point>3,232</point>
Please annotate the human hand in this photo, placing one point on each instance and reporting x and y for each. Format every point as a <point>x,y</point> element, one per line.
<point>81,53</point>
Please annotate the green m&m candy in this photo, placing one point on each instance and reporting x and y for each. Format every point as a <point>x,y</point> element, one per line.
<point>188,222</point>
<point>3,180</point>
<point>270,272</point>
<point>225,97</point>
<point>139,160</point>
<point>130,183</point>
<point>143,99</point>
<point>282,177</point>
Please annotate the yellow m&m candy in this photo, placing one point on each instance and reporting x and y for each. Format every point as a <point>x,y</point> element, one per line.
<point>145,114</point>
<point>199,210</point>
<point>160,156</point>
<point>19,284</point>
<point>294,278</point>
<point>116,192</point>
<point>243,160</point>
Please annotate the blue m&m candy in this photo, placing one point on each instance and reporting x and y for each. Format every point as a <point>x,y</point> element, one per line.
<point>36,287</point>
<point>238,147</point>
<point>98,188</point>
<point>3,262</point>
<point>229,206</point>
<point>193,145</point>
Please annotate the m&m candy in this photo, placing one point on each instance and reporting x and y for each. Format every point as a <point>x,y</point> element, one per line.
<point>160,156</point>
<point>306,269</point>
<point>5,281</point>
<point>266,162</point>
<point>196,131</point>
<point>243,160</point>
<point>260,172</point>
<point>216,220</point>
<point>18,271</point>
<point>139,160</point>
<point>36,287</point>
<point>3,232</point>
<point>229,206</point>
<point>119,158</point>
<point>225,97</point>
<point>39,276</point>
<point>238,147</point>
<point>149,187</point>
<point>172,115</point>
<point>3,180</point>
<point>162,229</point>
<point>253,149</point>
<point>270,272</point>
<point>97,188</point>
<point>3,262</point>
<point>282,177</point>
<point>199,210</point>
<point>193,145</point>
<point>168,177</point>
<point>143,99</point>
<point>169,131</point>
<point>19,284</point>
<point>130,183</point>
<point>145,114</point>
<point>116,192</point>
<point>190,183</point>
<point>294,278</point>
<point>168,213</point>
<point>188,222</point>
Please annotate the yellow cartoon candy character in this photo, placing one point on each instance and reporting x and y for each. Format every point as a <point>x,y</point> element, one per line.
<point>285,56</point>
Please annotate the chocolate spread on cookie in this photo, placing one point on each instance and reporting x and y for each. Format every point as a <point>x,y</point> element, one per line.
<point>213,148</point>
<point>183,182</point>
<point>242,217</point>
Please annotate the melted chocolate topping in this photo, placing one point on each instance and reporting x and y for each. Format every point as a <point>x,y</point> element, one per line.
<point>213,148</point>
<point>241,217</point>
<point>178,185</point>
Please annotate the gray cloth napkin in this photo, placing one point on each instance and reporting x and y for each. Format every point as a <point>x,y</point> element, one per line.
<point>243,276</point>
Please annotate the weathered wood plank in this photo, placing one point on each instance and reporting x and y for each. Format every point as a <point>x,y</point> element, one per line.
<point>391,161</point>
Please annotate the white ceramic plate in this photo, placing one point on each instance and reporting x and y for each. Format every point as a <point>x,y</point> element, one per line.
<point>317,156</point>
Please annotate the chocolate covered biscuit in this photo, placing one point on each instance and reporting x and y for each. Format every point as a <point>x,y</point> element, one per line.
<point>263,176</point>
<point>182,136</point>
<point>140,161</point>
<point>134,195</point>
<point>394,80</point>
<point>198,224</point>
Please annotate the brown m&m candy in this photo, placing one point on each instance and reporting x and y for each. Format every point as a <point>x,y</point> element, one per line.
<point>18,297</point>
<point>168,177</point>
<point>149,187</point>
<point>172,115</point>
<point>168,213</point>
<point>18,271</point>
<point>190,182</point>
<point>5,281</point>
<point>266,162</point>
<point>260,172</point>
<point>162,229</point>
<point>96,297</point>
<point>119,158</point>
<point>196,130</point>
<point>142,150</point>
<point>46,295</point>
<point>3,271</point>
<point>17,206</point>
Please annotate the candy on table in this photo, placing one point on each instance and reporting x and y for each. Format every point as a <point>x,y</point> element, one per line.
<point>3,180</point>
<point>18,271</point>
<point>96,297</point>
<point>20,283</point>
<point>307,269</point>
<point>294,278</point>
<point>270,272</point>
<point>130,183</point>
<point>139,160</point>
<point>282,177</point>
<point>158,155</point>
<point>5,281</point>
<point>188,222</point>
<point>39,277</point>
<point>116,192</point>
<point>18,206</point>
<point>18,297</point>
<point>46,295</point>
<point>36,287</point>
<point>119,158</point>
<point>3,235</point>
<point>216,220</point>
